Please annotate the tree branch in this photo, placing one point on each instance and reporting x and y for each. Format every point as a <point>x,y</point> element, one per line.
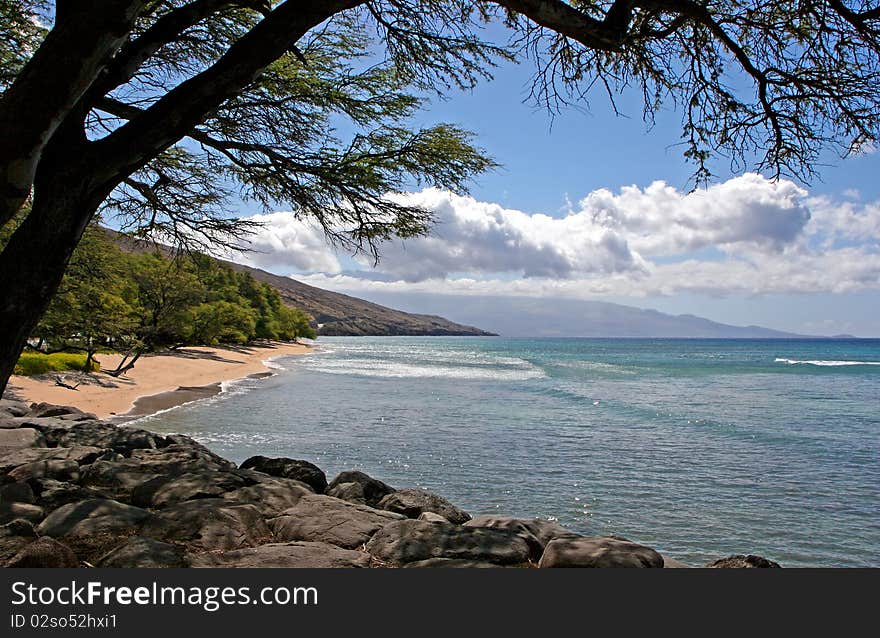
<point>184,107</point>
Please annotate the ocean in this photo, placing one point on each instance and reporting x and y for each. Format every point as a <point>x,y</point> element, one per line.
<point>699,448</point>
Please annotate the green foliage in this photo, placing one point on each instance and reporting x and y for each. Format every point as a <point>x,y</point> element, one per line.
<point>31,363</point>
<point>110,299</point>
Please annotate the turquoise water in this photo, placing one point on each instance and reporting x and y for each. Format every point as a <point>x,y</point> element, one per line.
<point>699,448</point>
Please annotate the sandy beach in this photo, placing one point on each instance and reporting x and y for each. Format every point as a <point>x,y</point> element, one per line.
<point>157,381</point>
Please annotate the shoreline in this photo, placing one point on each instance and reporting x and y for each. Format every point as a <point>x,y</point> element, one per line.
<point>158,382</point>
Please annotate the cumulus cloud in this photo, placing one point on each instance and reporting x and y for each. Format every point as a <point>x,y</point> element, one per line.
<point>285,243</point>
<point>761,236</point>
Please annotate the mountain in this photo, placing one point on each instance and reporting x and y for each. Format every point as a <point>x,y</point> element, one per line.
<point>338,314</point>
<point>334,313</point>
<point>533,317</point>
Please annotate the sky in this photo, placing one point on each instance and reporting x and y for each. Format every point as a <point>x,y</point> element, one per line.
<point>592,206</point>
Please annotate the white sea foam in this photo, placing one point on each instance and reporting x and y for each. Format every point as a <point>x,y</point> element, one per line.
<point>826,363</point>
<point>393,369</point>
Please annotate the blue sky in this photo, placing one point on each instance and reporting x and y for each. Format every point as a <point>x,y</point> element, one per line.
<point>561,220</point>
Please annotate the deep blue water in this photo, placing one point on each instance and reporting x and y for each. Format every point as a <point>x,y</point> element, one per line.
<point>699,448</point>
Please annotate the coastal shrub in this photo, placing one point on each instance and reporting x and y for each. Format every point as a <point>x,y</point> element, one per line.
<point>31,363</point>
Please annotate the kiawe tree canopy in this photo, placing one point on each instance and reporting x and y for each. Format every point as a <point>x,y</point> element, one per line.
<point>157,111</point>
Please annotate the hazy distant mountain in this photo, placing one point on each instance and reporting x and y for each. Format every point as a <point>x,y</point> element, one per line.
<point>522,316</point>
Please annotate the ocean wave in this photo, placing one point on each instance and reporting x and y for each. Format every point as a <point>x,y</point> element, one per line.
<point>825,363</point>
<point>390,369</point>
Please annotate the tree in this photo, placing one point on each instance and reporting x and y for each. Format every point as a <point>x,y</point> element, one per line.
<point>154,109</point>
<point>91,309</point>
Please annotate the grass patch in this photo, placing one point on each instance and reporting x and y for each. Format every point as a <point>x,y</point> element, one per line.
<point>30,363</point>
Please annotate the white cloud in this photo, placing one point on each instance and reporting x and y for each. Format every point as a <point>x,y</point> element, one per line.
<point>284,242</point>
<point>762,236</point>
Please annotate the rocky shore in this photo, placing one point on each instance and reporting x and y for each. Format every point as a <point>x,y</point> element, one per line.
<point>76,491</point>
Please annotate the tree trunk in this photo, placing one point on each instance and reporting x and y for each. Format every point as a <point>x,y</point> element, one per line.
<point>33,262</point>
<point>85,36</point>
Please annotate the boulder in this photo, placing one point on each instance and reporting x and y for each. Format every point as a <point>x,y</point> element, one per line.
<point>308,473</point>
<point>43,410</point>
<point>25,511</point>
<point>44,552</point>
<point>17,492</point>
<point>138,551</point>
<point>12,439</point>
<point>13,408</point>
<point>209,524</point>
<point>118,478</point>
<point>23,456</point>
<point>93,516</point>
<point>13,537</point>
<point>296,554</point>
<point>179,459</point>
<point>121,439</point>
<point>372,490</point>
<point>598,551</point>
<point>163,491</point>
<point>537,532</point>
<point>410,541</point>
<point>740,561</point>
<point>52,494</point>
<point>351,492</point>
<point>431,517</point>
<point>325,519</point>
<point>411,502</point>
<point>60,470</point>
<point>270,497</point>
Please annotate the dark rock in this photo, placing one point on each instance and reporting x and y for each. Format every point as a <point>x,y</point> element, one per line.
<point>26,511</point>
<point>81,416</point>
<point>179,458</point>
<point>44,552</point>
<point>144,552</point>
<point>59,470</point>
<point>209,524</point>
<point>13,537</point>
<point>81,455</point>
<point>457,563</point>
<point>20,438</point>
<point>118,479</point>
<point>52,429</point>
<point>94,516</point>
<point>598,551</point>
<point>52,494</point>
<point>163,491</point>
<point>270,497</point>
<point>351,492</point>
<point>43,410</point>
<point>13,408</point>
<point>123,440</point>
<point>537,532</point>
<point>410,541</point>
<point>17,492</point>
<point>411,502</point>
<point>372,489</point>
<point>296,554</point>
<point>330,520</point>
<point>308,473</point>
<point>740,561</point>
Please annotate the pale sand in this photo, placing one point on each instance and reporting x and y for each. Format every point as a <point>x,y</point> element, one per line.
<point>159,380</point>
